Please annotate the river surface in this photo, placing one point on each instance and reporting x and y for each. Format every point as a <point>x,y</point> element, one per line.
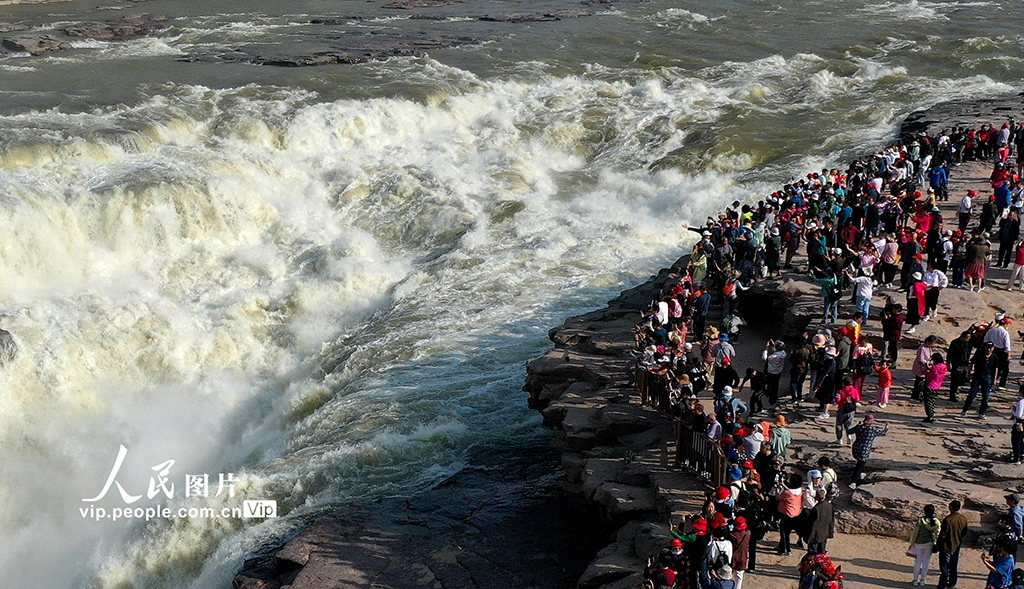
<point>327,280</point>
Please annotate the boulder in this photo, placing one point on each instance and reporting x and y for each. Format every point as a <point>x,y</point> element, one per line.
<point>619,500</point>
<point>6,27</point>
<point>36,44</point>
<point>8,349</point>
<point>614,563</point>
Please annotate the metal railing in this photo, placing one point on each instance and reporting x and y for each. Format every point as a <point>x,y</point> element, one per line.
<point>694,449</point>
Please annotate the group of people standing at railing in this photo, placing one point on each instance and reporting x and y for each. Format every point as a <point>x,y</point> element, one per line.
<point>861,230</point>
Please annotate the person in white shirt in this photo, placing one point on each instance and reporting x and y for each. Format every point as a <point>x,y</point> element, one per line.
<point>1000,338</point>
<point>774,356</point>
<point>863,290</point>
<point>1017,431</point>
<point>934,281</point>
<point>965,210</point>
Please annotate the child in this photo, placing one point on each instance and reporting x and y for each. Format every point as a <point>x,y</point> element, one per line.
<point>884,382</point>
<point>933,380</point>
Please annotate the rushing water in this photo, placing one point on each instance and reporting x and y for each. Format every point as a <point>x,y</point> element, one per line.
<point>327,280</point>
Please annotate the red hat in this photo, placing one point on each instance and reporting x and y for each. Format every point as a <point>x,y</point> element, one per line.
<point>700,526</point>
<point>992,197</point>
<point>718,521</point>
<point>721,494</point>
<point>726,360</point>
<point>740,523</point>
<point>676,543</point>
<point>972,193</point>
<point>748,464</point>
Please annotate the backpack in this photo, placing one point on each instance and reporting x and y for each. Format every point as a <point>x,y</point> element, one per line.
<point>722,560</point>
<point>864,364</point>
<point>835,292</point>
<point>729,412</point>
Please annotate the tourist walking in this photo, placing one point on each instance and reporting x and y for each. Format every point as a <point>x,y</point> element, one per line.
<point>866,432</point>
<point>959,360</point>
<point>933,381</point>
<point>984,367</point>
<point>846,403</point>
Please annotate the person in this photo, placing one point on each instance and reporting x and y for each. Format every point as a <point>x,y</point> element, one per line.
<point>954,527</point>
<point>863,290</point>
<point>1013,522</point>
<point>965,210</point>
<point>725,377</point>
<point>978,253</point>
<point>740,537</point>
<point>758,389</point>
<point>1017,431</point>
<point>892,331</point>
<point>799,368</point>
<point>774,356</point>
<point>915,301</point>
<point>822,525</point>
<point>714,428</point>
<point>790,508</point>
<point>921,364</point>
<point>959,363</point>
<point>1000,338</point>
<point>831,294</point>
<point>922,542</point>
<point>846,400</point>
<point>718,556</point>
<point>729,410</point>
<point>865,433</point>
<point>884,383</point>
<point>1001,568</point>
<point>724,351</point>
<point>933,380</point>
<point>935,280</point>
<point>1009,232</point>
<point>828,474</point>
<point>984,366</point>
<point>825,383</point>
<point>1018,267</point>
<point>780,438</point>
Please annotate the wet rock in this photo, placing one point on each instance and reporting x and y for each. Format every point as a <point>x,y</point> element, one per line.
<point>536,16</point>
<point>412,4</point>
<point>349,49</point>
<point>8,349</point>
<point>122,29</point>
<point>36,44</point>
<point>6,27</point>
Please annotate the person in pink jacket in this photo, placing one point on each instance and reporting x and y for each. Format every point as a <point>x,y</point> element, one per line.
<point>933,380</point>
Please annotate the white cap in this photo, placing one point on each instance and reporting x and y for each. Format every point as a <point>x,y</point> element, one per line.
<point>727,391</point>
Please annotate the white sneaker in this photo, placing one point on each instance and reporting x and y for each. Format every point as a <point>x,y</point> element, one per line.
<point>912,330</point>
<point>982,288</point>
<point>882,405</point>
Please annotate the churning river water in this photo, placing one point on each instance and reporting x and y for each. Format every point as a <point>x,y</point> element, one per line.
<point>327,280</point>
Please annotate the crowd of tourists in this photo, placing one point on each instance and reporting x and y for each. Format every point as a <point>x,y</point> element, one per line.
<point>873,233</point>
